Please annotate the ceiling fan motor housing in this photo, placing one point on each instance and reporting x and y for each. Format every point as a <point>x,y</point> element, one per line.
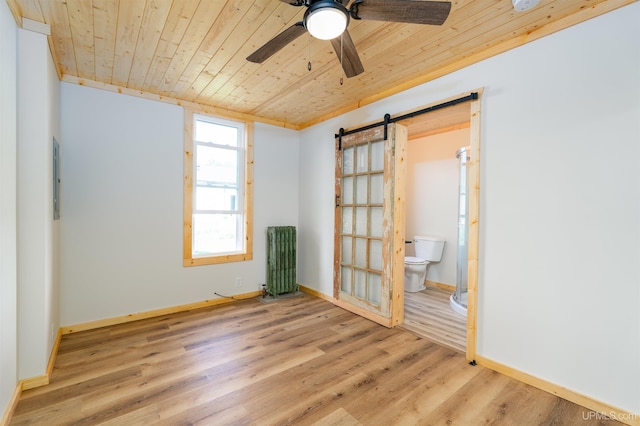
<point>326,19</point>
<point>522,5</point>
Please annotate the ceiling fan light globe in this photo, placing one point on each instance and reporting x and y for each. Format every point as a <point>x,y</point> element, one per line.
<point>327,21</point>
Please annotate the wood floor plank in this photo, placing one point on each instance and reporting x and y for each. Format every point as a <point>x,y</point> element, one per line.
<point>477,393</point>
<point>429,314</point>
<point>339,417</point>
<point>298,360</point>
<point>430,389</point>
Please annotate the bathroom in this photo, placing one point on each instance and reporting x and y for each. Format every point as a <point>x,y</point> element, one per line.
<point>433,201</point>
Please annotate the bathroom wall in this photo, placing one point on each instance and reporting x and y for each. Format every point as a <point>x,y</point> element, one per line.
<point>432,196</point>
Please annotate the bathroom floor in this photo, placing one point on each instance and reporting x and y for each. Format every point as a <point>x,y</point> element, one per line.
<point>428,314</point>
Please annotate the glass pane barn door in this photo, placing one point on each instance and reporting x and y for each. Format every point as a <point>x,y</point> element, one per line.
<point>366,270</point>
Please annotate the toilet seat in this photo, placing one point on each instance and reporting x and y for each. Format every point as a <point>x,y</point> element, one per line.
<point>410,260</point>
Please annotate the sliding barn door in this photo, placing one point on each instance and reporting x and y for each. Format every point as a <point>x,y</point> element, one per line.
<point>370,223</point>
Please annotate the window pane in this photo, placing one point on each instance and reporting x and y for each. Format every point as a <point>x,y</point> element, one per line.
<point>345,280</point>
<point>377,188</point>
<point>375,254</point>
<point>216,133</point>
<point>347,161</point>
<point>347,190</point>
<point>376,222</point>
<point>375,288</point>
<point>361,252</point>
<point>361,189</point>
<point>360,284</point>
<point>362,162</point>
<point>361,221</point>
<point>377,155</point>
<point>215,233</point>
<point>347,220</point>
<point>346,249</point>
<point>216,198</point>
<point>216,165</point>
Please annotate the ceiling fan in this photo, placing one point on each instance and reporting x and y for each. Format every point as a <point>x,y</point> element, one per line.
<point>328,20</point>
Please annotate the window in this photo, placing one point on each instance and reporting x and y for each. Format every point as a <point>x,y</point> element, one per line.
<point>218,165</point>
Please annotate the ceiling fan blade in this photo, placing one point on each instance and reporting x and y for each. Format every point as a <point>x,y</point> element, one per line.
<point>406,11</point>
<point>347,54</point>
<point>277,43</point>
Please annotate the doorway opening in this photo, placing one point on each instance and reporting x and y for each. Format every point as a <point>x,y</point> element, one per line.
<point>436,212</point>
<point>438,207</point>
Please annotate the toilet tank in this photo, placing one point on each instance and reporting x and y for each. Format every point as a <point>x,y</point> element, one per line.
<point>429,248</point>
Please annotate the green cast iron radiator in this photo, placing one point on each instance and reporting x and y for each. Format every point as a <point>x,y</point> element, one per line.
<point>281,260</point>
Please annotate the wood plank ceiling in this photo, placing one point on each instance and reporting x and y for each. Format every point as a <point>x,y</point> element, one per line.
<point>195,50</point>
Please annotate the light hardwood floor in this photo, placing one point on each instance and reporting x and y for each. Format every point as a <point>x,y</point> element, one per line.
<point>428,314</point>
<point>300,360</point>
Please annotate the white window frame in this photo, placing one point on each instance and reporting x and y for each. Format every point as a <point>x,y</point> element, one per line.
<point>244,203</point>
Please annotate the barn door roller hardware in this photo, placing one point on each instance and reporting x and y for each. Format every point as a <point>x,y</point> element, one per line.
<point>388,119</point>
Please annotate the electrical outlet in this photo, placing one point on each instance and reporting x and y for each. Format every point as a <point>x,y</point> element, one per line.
<point>238,281</point>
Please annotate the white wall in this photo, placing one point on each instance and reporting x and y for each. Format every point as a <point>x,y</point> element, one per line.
<point>122,203</point>
<point>559,235</point>
<point>8,207</point>
<point>52,299</point>
<point>38,123</point>
<point>432,197</point>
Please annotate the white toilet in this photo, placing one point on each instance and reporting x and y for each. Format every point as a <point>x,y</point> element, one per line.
<point>428,250</point>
